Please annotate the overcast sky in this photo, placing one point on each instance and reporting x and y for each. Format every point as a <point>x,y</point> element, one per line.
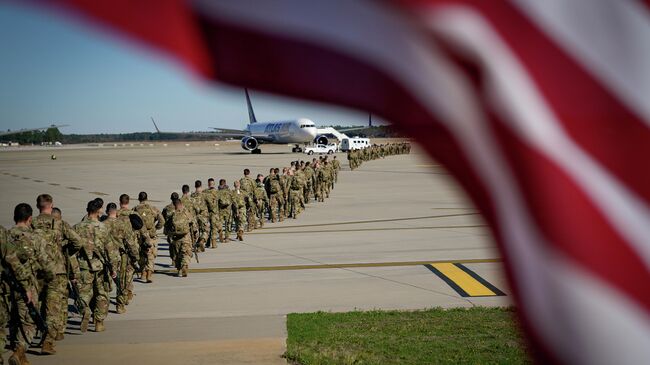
<point>53,70</point>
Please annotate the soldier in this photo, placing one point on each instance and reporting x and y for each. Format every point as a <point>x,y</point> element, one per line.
<point>153,221</point>
<point>309,180</point>
<point>274,190</point>
<point>24,256</point>
<point>55,231</point>
<point>248,186</point>
<point>224,198</point>
<point>96,257</point>
<point>127,247</point>
<point>166,213</point>
<point>239,209</point>
<point>183,230</point>
<point>284,182</point>
<point>141,236</point>
<point>202,214</point>
<point>261,200</point>
<point>294,194</point>
<point>337,167</point>
<point>211,198</point>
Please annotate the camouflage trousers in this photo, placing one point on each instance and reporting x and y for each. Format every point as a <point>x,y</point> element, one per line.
<point>172,249</point>
<point>226,219</point>
<point>21,330</point>
<point>125,277</point>
<point>93,293</point>
<point>307,193</point>
<point>275,202</point>
<point>261,212</point>
<point>4,320</point>
<point>56,305</point>
<point>183,251</point>
<point>216,227</point>
<point>203,220</point>
<point>294,206</point>
<point>318,191</point>
<point>239,218</point>
<point>251,214</point>
<point>148,256</point>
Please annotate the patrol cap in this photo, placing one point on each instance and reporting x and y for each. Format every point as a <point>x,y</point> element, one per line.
<point>136,221</point>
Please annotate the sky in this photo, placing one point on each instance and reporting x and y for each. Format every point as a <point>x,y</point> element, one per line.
<point>57,71</point>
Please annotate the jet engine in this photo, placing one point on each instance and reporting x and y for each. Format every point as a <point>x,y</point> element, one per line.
<point>249,143</point>
<point>321,139</point>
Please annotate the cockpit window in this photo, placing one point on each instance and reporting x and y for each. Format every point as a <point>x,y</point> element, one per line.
<point>306,125</point>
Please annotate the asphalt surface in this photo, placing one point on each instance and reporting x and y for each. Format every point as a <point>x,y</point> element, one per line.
<point>363,248</point>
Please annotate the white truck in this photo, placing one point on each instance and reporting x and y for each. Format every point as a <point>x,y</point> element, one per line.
<point>322,148</point>
<point>354,143</point>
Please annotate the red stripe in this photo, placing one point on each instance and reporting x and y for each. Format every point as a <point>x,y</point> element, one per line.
<point>593,117</point>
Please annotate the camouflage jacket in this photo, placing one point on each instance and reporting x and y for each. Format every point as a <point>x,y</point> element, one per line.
<point>29,247</point>
<point>183,218</point>
<point>260,193</point>
<point>211,199</point>
<point>200,207</point>
<point>189,205</point>
<point>238,198</point>
<point>56,232</point>
<point>9,261</point>
<point>247,185</point>
<point>99,245</point>
<point>152,218</point>
<point>123,237</point>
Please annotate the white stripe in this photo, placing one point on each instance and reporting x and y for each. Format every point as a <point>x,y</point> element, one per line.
<point>373,34</point>
<point>611,38</point>
<point>519,102</point>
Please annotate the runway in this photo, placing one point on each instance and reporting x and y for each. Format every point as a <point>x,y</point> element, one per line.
<point>366,247</point>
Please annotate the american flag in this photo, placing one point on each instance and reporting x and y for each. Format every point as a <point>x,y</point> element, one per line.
<point>539,108</point>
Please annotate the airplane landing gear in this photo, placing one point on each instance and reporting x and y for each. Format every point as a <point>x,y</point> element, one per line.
<point>256,151</point>
<point>296,149</point>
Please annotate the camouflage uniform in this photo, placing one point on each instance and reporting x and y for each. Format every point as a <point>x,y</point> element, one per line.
<point>183,229</point>
<point>167,213</point>
<point>274,189</point>
<point>284,209</point>
<point>261,201</point>
<point>55,231</point>
<point>309,181</point>
<point>30,249</point>
<point>10,263</point>
<point>248,186</point>
<point>294,195</point>
<point>337,167</point>
<point>211,200</point>
<point>127,249</point>
<point>140,236</point>
<point>302,184</point>
<point>224,199</point>
<point>153,221</point>
<point>93,281</point>
<point>239,198</point>
<point>202,217</point>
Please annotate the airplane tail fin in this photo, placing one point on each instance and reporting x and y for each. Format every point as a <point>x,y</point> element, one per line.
<point>251,113</point>
<point>155,126</point>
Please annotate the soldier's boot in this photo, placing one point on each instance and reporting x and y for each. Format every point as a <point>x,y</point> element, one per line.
<point>59,336</point>
<point>84,322</point>
<point>202,246</point>
<point>221,238</point>
<point>129,297</point>
<point>120,309</point>
<point>149,276</point>
<point>99,326</point>
<point>240,235</point>
<point>17,357</point>
<point>48,347</point>
<point>184,272</point>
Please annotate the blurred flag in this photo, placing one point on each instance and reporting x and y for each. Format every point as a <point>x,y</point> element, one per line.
<point>540,109</point>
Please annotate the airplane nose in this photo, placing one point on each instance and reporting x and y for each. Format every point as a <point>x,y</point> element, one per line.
<point>312,132</point>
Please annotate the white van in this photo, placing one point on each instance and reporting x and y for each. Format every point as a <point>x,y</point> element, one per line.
<point>354,143</point>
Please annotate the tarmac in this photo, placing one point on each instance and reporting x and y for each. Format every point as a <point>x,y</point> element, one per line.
<point>383,240</point>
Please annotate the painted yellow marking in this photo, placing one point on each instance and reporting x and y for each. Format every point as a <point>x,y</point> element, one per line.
<point>98,193</point>
<point>328,266</point>
<point>470,285</point>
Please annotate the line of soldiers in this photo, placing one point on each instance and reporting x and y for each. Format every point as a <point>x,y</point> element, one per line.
<point>45,261</point>
<point>357,157</point>
<point>206,217</point>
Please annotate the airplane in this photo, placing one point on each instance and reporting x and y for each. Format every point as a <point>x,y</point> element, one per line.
<point>7,133</point>
<point>296,131</point>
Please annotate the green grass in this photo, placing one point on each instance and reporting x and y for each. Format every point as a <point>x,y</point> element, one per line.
<point>434,336</point>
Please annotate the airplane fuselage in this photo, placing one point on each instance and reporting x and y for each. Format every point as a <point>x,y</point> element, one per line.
<point>291,131</point>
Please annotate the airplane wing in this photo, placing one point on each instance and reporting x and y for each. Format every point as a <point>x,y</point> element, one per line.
<point>7,133</point>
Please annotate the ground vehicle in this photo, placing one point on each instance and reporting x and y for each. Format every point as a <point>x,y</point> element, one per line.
<point>354,143</point>
<point>321,148</point>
